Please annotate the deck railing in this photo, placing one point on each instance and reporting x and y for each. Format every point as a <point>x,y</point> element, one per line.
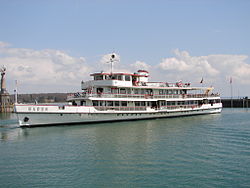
<point>120,108</point>
<point>139,96</point>
<point>144,108</point>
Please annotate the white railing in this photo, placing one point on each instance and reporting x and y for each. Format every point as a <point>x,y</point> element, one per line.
<point>139,96</point>
<point>120,108</point>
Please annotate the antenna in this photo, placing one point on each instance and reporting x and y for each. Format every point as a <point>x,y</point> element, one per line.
<point>111,61</point>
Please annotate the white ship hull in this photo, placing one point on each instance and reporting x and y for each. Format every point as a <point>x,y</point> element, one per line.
<point>79,115</point>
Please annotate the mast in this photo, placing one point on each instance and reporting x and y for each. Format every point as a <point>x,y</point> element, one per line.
<point>111,61</point>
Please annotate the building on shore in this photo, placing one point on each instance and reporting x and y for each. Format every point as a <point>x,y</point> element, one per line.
<point>5,103</point>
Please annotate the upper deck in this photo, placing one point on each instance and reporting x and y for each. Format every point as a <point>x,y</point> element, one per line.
<point>137,79</point>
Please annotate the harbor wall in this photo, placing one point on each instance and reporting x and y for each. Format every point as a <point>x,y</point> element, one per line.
<point>236,103</point>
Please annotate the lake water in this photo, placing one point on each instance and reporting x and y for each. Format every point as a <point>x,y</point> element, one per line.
<point>197,151</point>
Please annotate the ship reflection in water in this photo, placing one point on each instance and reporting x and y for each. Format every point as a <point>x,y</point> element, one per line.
<point>117,131</point>
<point>9,128</point>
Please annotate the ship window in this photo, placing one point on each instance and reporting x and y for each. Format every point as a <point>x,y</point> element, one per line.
<point>102,103</point>
<point>113,77</point>
<point>83,103</point>
<point>108,90</point>
<point>99,90</point>
<point>95,103</point>
<point>114,90</point>
<point>122,91</point>
<point>119,77</point>
<point>98,77</point>
<point>109,103</point>
<point>124,103</point>
<point>143,103</point>
<point>170,91</point>
<point>116,103</point>
<point>29,108</point>
<point>127,78</point>
<point>137,103</point>
<point>172,103</point>
<point>183,91</point>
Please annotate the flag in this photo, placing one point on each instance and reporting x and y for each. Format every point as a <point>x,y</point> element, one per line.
<point>201,80</point>
<point>231,80</point>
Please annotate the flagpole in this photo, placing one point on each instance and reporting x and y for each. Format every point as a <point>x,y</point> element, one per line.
<point>231,86</point>
<point>15,91</point>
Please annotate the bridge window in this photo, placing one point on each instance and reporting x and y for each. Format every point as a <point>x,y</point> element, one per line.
<point>127,78</point>
<point>98,77</point>
<point>119,77</point>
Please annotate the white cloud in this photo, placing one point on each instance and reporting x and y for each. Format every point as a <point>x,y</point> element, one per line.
<point>235,66</point>
<point>53,68</point>
<point>216,69</point>
<point>140,65</point>
<point>186,64</point>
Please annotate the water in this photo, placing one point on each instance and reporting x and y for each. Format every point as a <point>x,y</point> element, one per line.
<point>198,151</point>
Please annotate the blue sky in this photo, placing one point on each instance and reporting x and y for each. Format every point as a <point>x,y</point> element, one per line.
<point>150,32</point>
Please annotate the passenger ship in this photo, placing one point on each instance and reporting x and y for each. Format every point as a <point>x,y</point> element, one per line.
<point>122,96</point>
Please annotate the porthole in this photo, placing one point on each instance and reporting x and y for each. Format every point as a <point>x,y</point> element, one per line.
<point>26,119</point>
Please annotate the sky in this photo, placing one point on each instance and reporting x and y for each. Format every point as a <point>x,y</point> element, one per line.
<point>51,46</point>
